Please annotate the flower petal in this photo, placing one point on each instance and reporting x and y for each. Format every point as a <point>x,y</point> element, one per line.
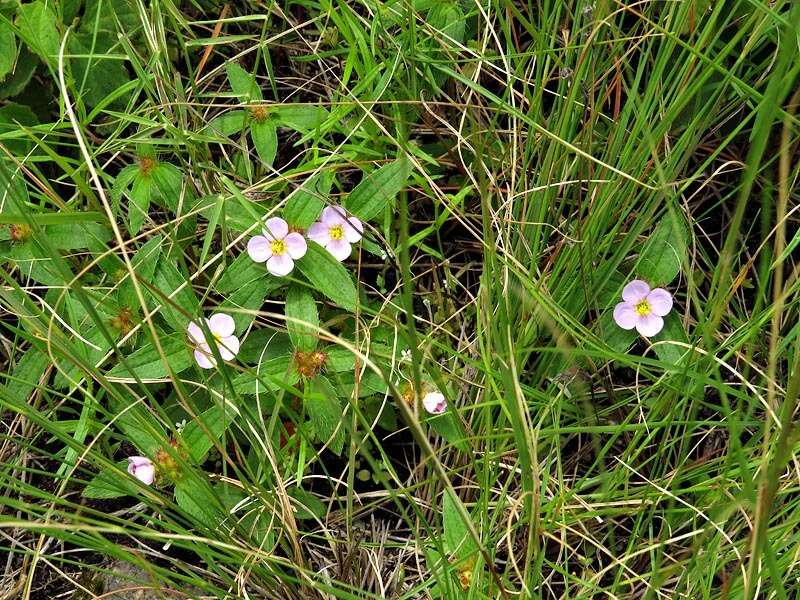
<point>280,265</point>
<point>434,403</point>
<point>333,215</point>
<point>295,245</point>
<point>204,358</point>
<point>649,325</point>
<point>196,333</point>
<point>228,347</point>
<point>259,248</point>
<point>319,232</point>
<point>353,229</point>
<point>142,468</point>
<point>660,301</point>
<point>276,227</point>
<point>221,324</point>
<point>635,291</point>
<point>625,315</point>
<point>339,248</point>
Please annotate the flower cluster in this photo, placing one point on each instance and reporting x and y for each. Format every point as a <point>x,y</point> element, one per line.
<point>279,247</point>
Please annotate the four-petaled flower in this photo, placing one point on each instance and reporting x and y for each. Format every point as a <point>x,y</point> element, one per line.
<point>434,403</point>
<point>277,247</point>
<point>142,468</point>
<point>643,308</point>
<point>335,231</point>
<point>221,327</point>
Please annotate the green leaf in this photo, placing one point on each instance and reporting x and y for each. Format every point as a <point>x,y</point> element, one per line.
<point>249,297</point>
<point>144,264</point>
<point>243,83</point>
<point>329,276</point>
<point>617,338</point>
<point>239,273</point>
<point>197,499</point>
<point>298,117</point>
<point>104,15</point>
<point>448,18</point>
<point>27,373</point>
<point>121,184</point>
<point>663,253</point>
<point>168,180</point>
<point>11,136</point>
<point>300,305</point>
<point>306,505</point>
<point>8,49</point>
<point>264,344</point>
<point>96,75</point>
<point>168,279</point>
<point>139,205</point>
<point>147,363</point>
<point>229,123</point>
<point>273,374</point>
<point>457,539</point>
<point>139,426</point>
<point>109,484</point>
<point>609,290</point>
<point>265,139</point>
<point>378,189</point>
<point>673,330</point>
<point>72,236</point>
<point>325,411</point>
<point>237,216</point>
<point>449,427</point>
<point>24,69</point>
<point>38,27</point>
<point>304,205</point>
<point>195,438</point>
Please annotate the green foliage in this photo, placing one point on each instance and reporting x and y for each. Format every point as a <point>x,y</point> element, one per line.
<point>8,50</point>
<point>300,306</point>
<point>664,252</point>
<point>378,189</point>
<point>515,167</point>
<point>325,411</point>
<point>38,27</point>
<point>304,205</point>
<point>327,275</point>
<point>148,363</point>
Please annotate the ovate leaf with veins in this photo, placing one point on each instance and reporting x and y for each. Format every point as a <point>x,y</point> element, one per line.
<point>378,189</point>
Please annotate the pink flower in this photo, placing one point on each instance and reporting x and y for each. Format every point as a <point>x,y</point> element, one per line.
<point>434,403</point>
<point>221,327</point>
<point>277,247</point>
<point>336,232</point>
<point>643,308</point>
<point>142,468</point>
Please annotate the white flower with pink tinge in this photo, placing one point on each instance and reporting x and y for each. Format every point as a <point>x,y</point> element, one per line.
<point>221,327</point>
<point>335,232</point>
<point>142,468</point>
<point>643,308</point>
<point>434,403</point>
<point>277,247</point>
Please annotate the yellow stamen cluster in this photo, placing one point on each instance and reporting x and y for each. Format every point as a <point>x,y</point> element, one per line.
<point>336,232</point>
<point>643,308</point>
<point>278,247</point>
